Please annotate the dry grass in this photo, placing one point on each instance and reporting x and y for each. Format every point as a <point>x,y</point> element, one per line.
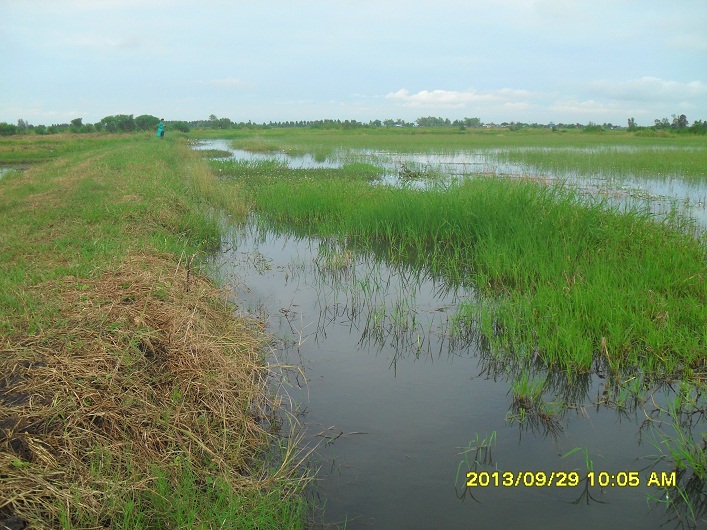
<point>141,368</point>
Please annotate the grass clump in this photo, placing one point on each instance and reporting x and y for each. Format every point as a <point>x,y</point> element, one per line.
<point>628,158</point>
<point>573,282</point>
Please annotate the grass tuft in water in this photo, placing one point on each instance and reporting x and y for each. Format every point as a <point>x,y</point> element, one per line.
<point>574,282</point>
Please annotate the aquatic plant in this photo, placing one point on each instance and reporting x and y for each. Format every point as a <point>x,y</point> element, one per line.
<point>478,453</point>
<point>577,282</point>
<point>625,159</point>
<point>559,287</point>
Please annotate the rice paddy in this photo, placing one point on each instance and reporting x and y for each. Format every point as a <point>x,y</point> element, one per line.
<point>570,300</point>
<point>438,303</point>
<point>580,278</point>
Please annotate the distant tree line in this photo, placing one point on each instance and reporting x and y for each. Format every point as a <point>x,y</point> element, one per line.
<point>126,123</point>
<point>429,121</point>
<point>120,123</point>
<point>678,124</point>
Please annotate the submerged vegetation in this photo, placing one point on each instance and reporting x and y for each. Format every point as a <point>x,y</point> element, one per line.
<point>615,154</point>
<point>572,282</point>
<point>130,397</point>
<point>563,286</point>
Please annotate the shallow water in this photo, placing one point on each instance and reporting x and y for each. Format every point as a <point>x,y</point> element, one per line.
<point>391,402</point>
<point>5,170</point>
<point>305,161</point>
<point>394,402</point>
<point>659,196</point>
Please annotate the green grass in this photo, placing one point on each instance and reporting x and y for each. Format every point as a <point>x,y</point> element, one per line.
<point>68,222</point>
<point>573,282</point>
<point>27,150</point>
<point>626,159</point>
<point>92,206</point>
<point>190,502</point>
<point>685,442</point>
<point>615,153</point>
<point>563,286</point>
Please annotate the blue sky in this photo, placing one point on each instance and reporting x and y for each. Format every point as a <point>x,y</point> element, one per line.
<point>499,60</point>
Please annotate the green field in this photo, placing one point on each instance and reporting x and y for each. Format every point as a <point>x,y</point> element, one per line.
<point>564,286</point>
<point>572,282</point>
<point>119,358</point>
<point>617,152</point>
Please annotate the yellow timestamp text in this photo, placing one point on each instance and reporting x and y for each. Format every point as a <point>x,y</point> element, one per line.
<point>567,479</point>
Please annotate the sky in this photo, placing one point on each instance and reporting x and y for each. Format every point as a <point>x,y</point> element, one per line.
<point>532,61</point>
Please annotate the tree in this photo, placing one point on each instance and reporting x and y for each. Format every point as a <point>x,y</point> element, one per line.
<point>109,124</point>
<point>631,124</point>
<point>7,129</point>
<point>76,125</point>
<point>146,122</point>
<point>699,127</point>
<point>592,127</point>
<point>126,123</point>
<point>431,121</point>
<point>472,122</point>
<point>180,126</point>
<point>679,122</point>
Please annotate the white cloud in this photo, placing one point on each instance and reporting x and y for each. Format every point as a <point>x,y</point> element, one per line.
<point>594,101</point>
<point>41,115</point>
<point>588,107</point>
<point>102,5</point>
<point>519,106</point>
<point>594,61</point>
<point>646,97</point>
<point>458,99</point>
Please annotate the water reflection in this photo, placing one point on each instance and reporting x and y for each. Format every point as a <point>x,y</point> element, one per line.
<point>5,170</point>
<point>665,197</point>
<point>396,400</point>
<point>293,161</point>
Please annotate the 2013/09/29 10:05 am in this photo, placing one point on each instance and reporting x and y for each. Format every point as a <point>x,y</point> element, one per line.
<point>571,479</point>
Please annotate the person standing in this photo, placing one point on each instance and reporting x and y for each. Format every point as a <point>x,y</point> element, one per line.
<point>160,128</point>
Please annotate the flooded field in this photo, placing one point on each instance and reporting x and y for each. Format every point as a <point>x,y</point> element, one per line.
<point>659,195</point>
<point>415,423</point>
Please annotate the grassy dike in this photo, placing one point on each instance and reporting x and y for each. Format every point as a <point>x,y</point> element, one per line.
<point>130,397</point>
